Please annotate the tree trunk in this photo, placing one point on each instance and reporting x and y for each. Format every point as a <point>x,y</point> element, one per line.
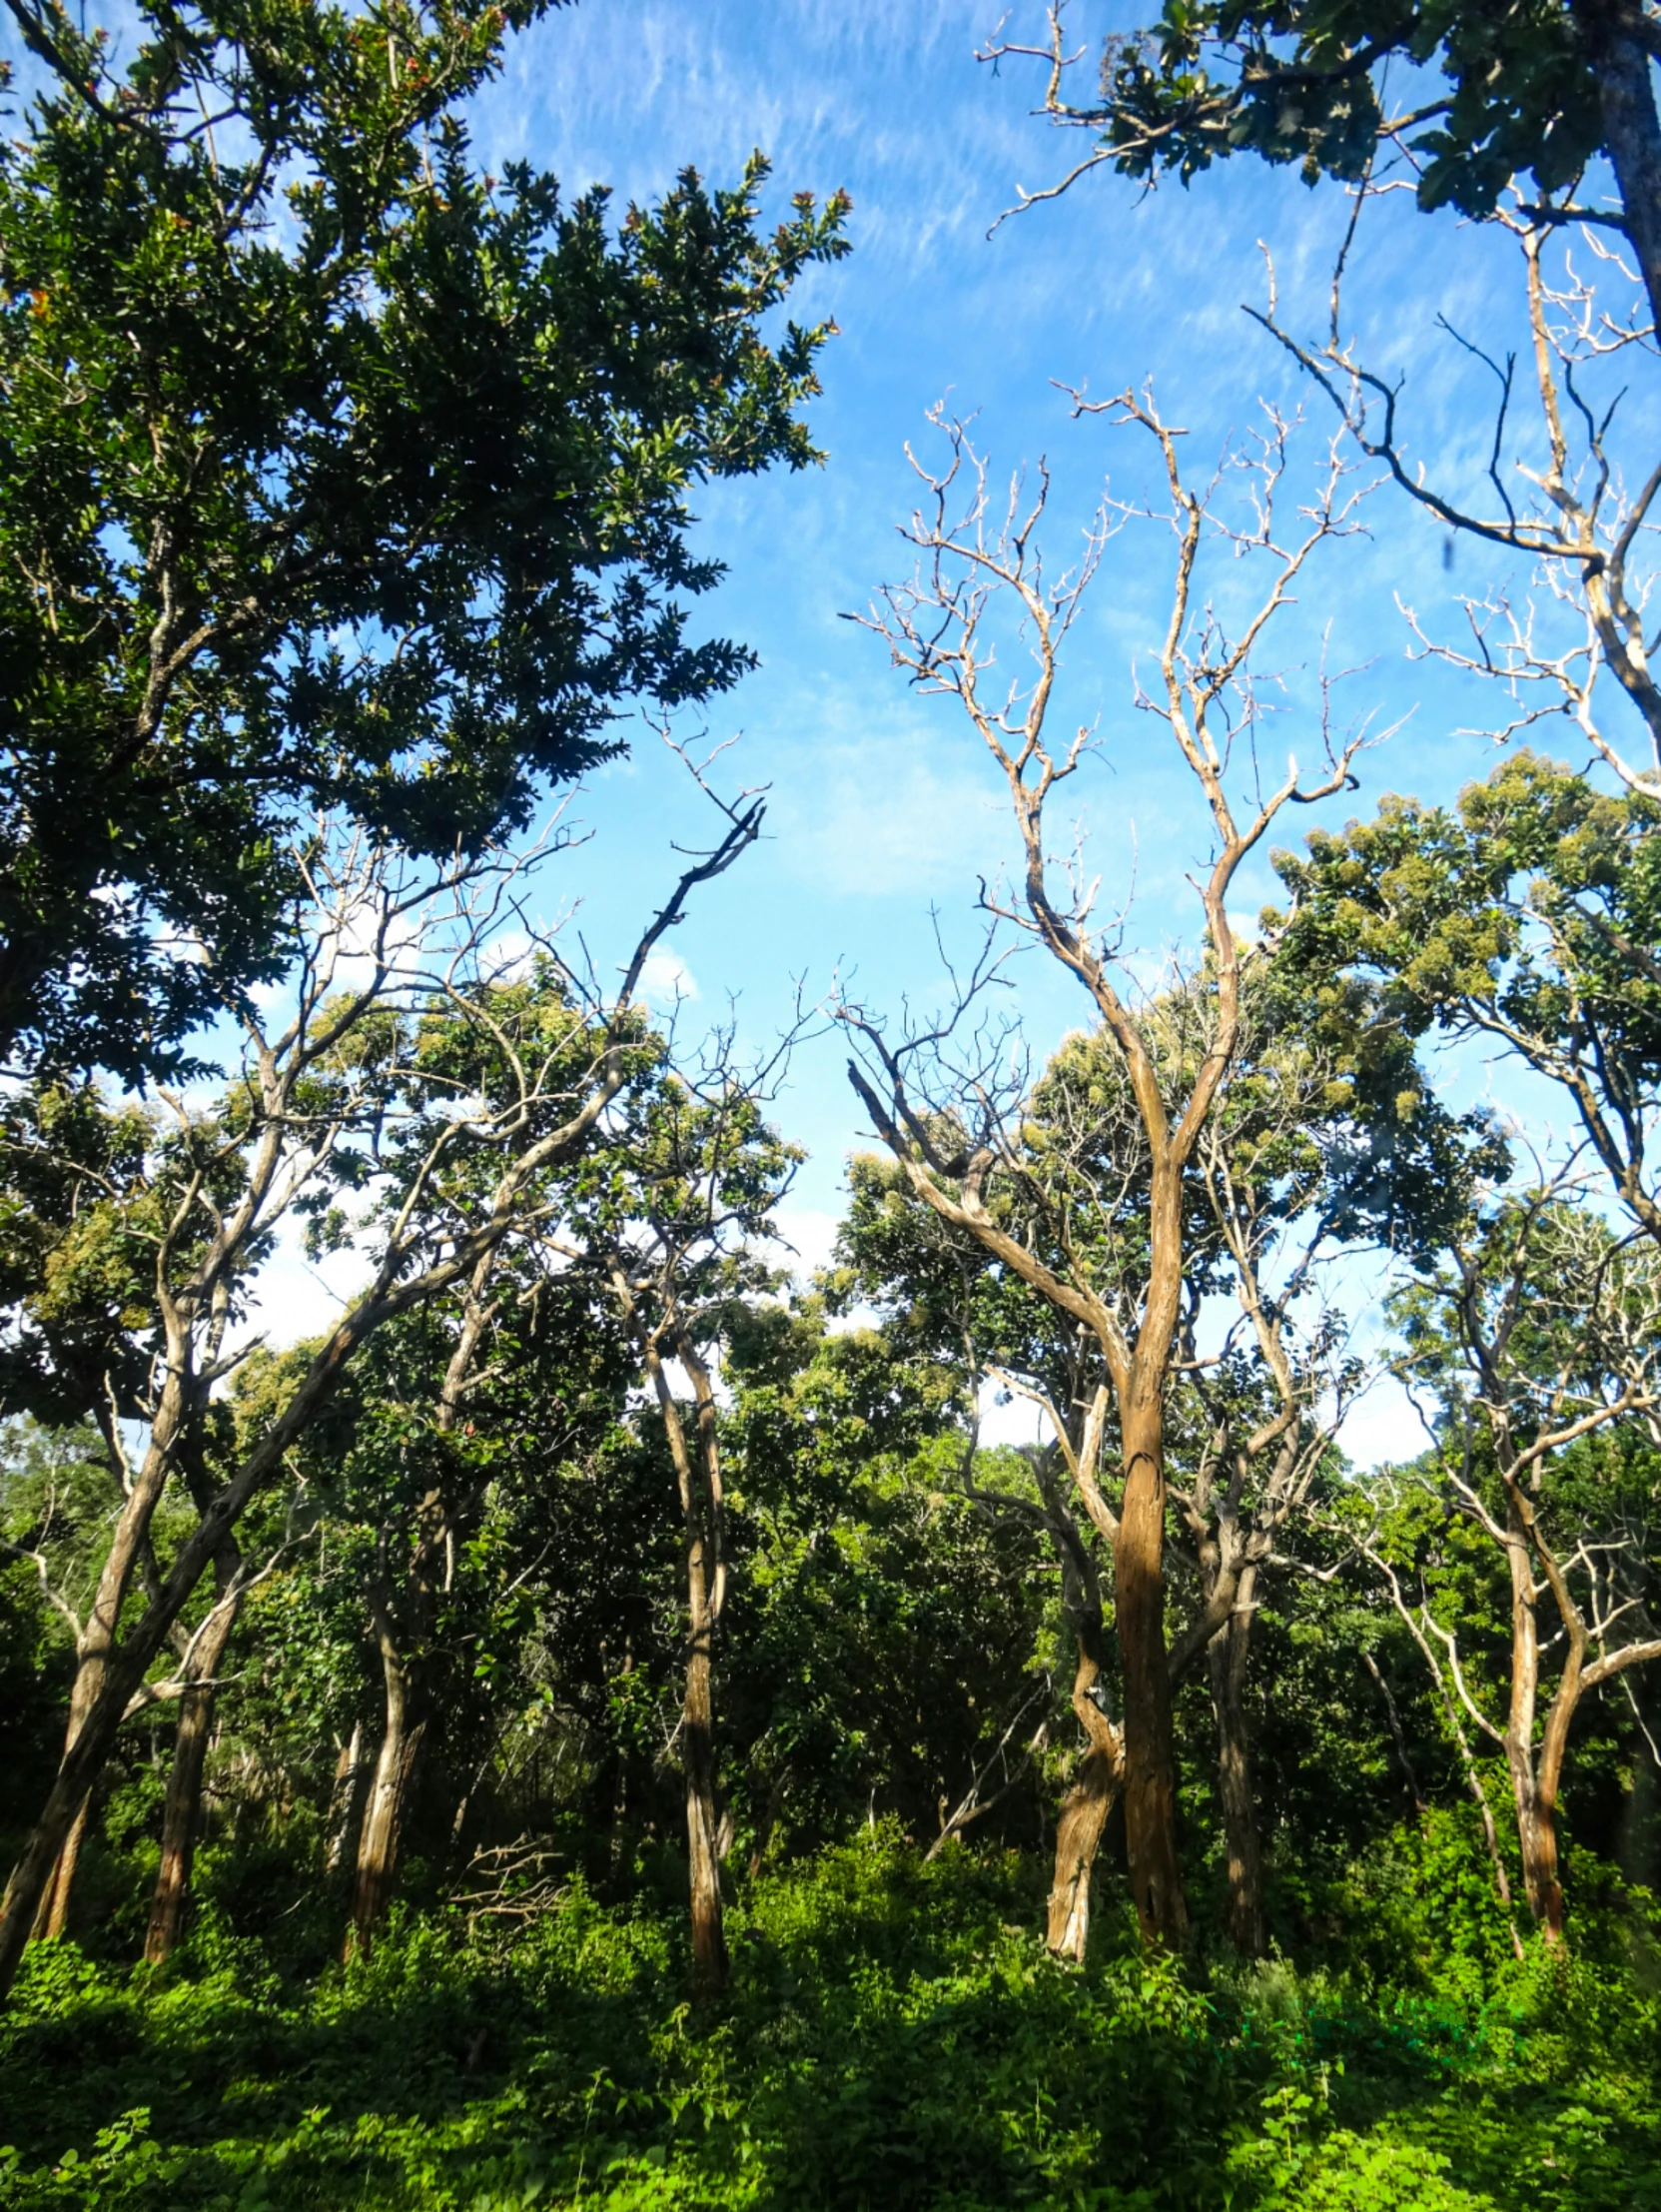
<point>1631,132</point>
<point>181,1813</point>
<point>1084,1812</point>
<point>378,1846</point>
<point>1535,1789</point>
<point>709,1943</point>
<point>346,1807</point>
<point>1537,1834</point>
<point>1227,1654</point>
<point>48,1858</point>
<point>701,1510</point>
<point>1149,1754</point>
<point>52,1918</point>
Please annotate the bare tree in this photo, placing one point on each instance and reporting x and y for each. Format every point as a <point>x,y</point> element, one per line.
<point>951,1126</point>
<point>1557,488</point>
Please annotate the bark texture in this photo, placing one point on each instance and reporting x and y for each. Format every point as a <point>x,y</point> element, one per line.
<point>346,1805</point>
<point>1084,1812</point>
<point>51,1920</point>
<point>702,1510</point>
<point>383,1828</point>
<point>1149,1754</point>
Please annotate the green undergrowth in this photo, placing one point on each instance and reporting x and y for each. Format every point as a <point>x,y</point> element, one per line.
<point>895,2036</point>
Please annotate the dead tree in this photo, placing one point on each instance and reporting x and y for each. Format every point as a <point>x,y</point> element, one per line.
<point>951,1135</point>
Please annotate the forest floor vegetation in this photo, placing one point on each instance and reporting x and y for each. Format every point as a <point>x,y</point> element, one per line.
<point>896,2035</point>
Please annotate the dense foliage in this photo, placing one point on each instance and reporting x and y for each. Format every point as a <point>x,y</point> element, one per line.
<point>335,473</point>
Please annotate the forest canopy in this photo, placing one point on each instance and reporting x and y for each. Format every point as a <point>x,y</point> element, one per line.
<point>1123,1668</point>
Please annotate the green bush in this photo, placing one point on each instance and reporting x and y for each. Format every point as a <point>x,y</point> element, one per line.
<point>896,2036</point>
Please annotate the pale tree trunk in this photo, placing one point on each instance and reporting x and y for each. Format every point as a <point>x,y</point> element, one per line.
<point>52,1918</point>
<point>346,1807</point>
<point>382,1829</point>
<point>56,1846</point>
<point>1227,1654</point>
<point>405,1677</point>
<point>181,1813</point>
<point>1534,1782</point>
<point>1537,1776</point>
<point>109,1674</point>
<point>1084,1809</point>
<point>709,1944</point>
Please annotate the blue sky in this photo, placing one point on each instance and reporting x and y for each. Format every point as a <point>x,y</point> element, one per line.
<point>882,806</point>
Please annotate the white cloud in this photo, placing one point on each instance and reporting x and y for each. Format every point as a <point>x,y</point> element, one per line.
<point>666,980</point>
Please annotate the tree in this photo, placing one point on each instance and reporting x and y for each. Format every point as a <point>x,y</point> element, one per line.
<point>1253,1404</point>
<point>336,475</point>
<point>672,1233</point>
<point>948,1296</point>
<point>1535,88</point>
<point>1537,1336</point>
<point>325,1096</point>
<point>951,1124</point>
<point>1563,489</point>
<point>1527,915</point>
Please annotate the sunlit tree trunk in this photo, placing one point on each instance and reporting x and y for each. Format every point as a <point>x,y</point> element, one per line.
<point>1138,1601</point>
<point>51,1920</point>
<point>709,1944</point>
<point>394,1767</point>
<point>346,1807</point>
<point>1085,1808</point>
<point>404,1675</point>
<point>702,1517</point>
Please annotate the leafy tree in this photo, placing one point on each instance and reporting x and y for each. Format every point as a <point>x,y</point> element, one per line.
<point>1527,914</point>
<point>331,1100</point>
<point>889,1650</point>
<point>671,1226</point>
<point>335,474</point>
<point>1535,88</point>
<point>1537,1336</point>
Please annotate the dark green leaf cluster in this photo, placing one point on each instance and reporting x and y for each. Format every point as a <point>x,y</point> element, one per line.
<point>334,474</point>
<point>1313,82</point>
